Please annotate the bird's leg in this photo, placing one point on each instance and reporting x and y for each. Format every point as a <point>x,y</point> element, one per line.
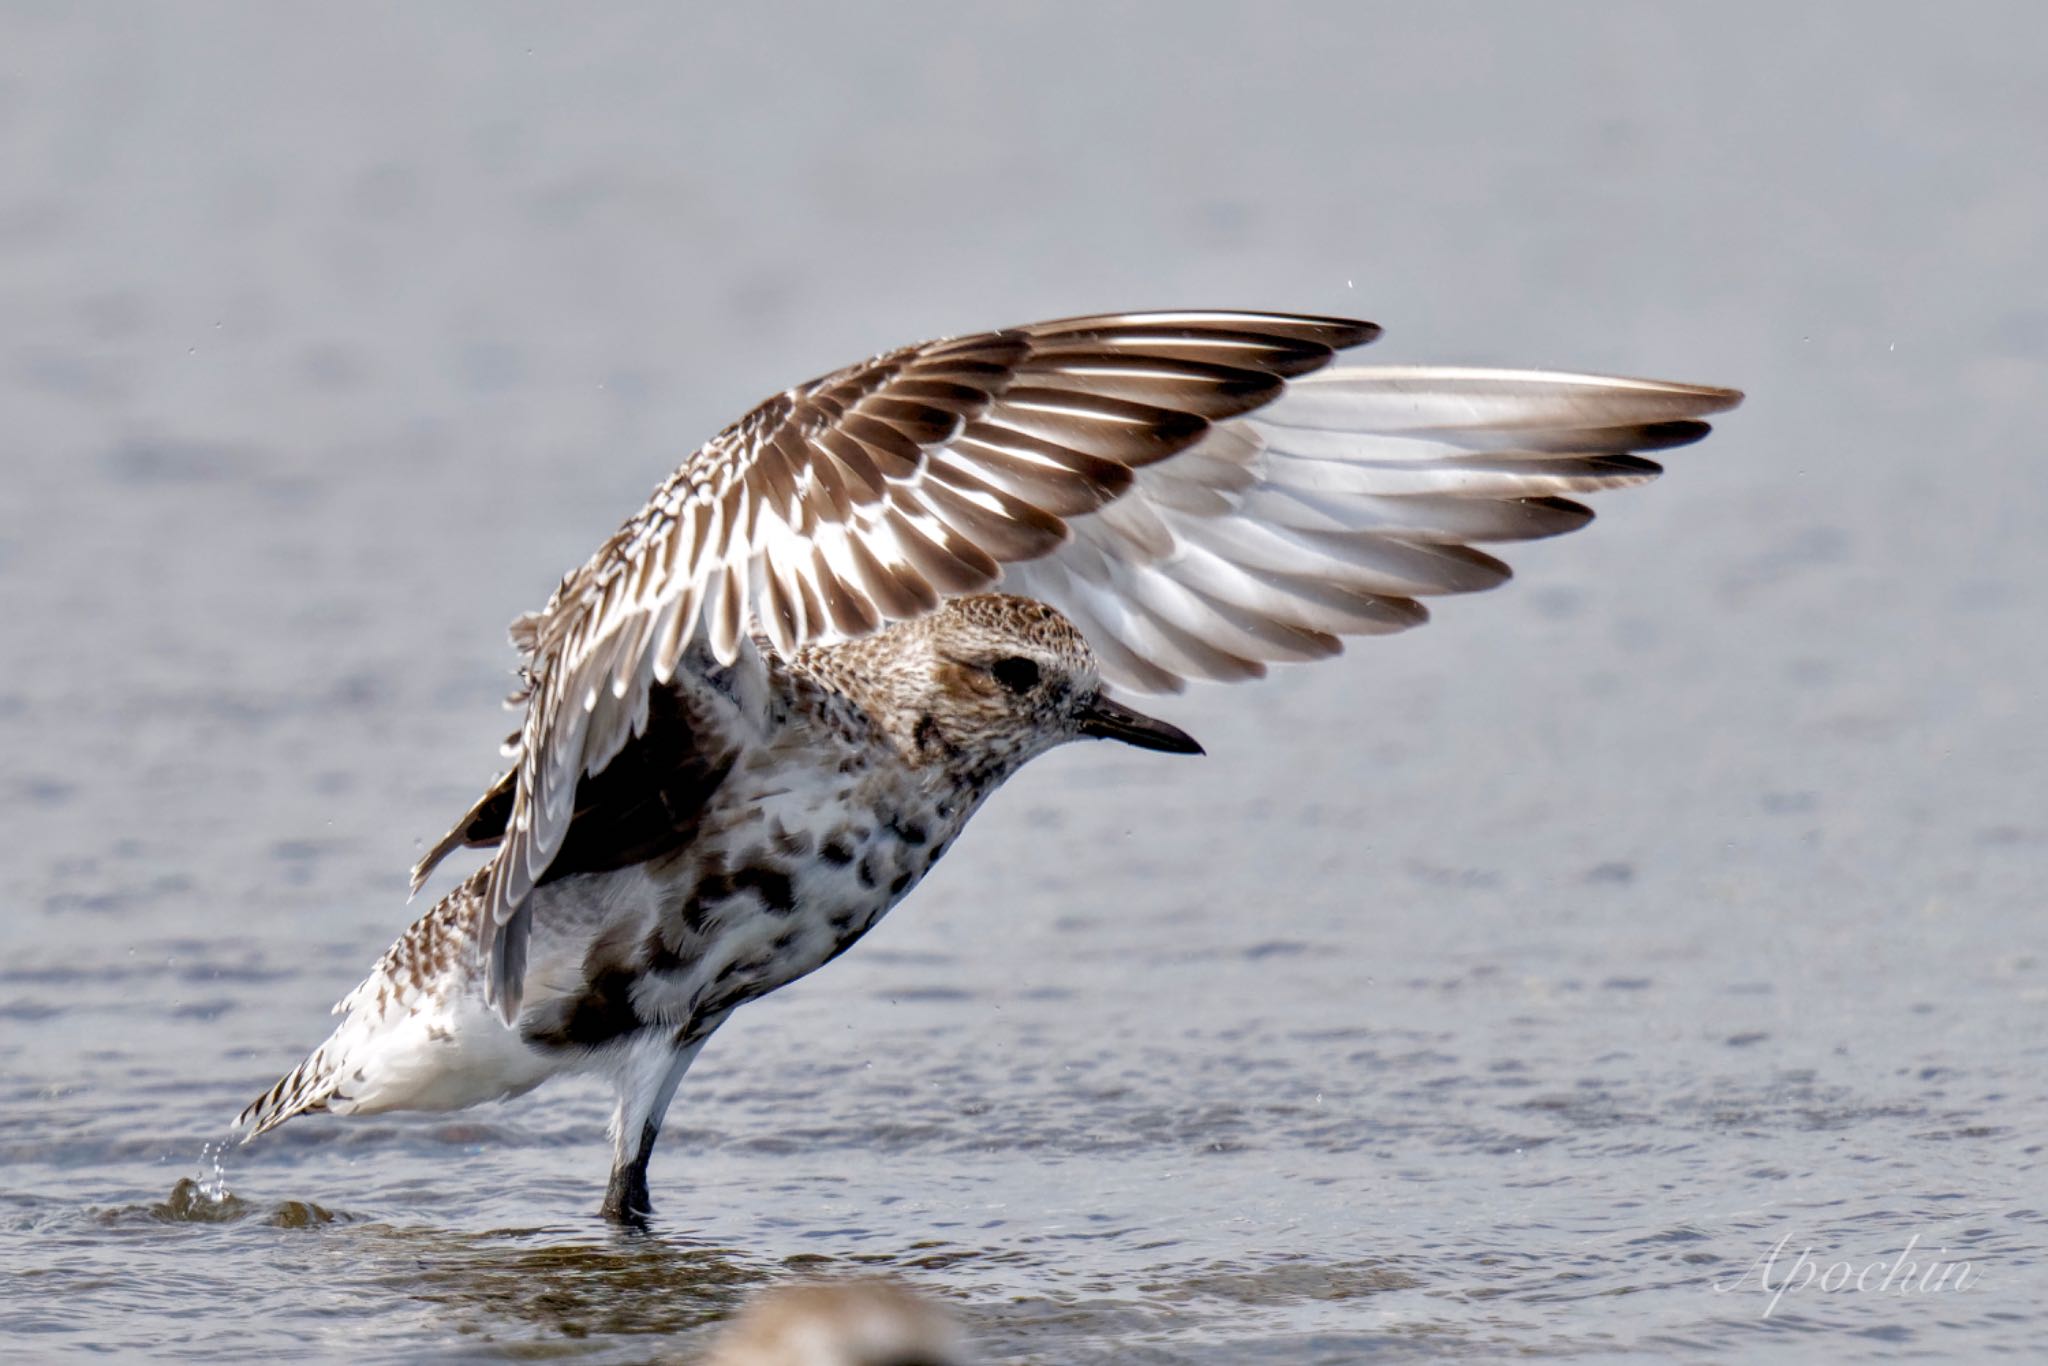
<point>625,1199</point>
<point>646,1086</point>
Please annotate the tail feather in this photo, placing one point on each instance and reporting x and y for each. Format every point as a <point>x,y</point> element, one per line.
<point>417,1034</point>
<point>304,1090</point>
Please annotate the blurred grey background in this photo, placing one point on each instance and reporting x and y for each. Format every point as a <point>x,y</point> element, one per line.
<point>1682,894</point>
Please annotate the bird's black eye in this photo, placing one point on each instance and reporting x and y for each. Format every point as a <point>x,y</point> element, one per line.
<point>1016,673</point>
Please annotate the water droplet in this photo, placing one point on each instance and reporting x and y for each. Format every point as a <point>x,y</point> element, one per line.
<point>213,1184</point>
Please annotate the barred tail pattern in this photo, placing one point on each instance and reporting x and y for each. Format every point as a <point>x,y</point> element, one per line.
<point>303,1090</point>
<point>417,1034</point>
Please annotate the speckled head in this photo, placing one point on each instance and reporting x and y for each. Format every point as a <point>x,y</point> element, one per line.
<point>985,684</point>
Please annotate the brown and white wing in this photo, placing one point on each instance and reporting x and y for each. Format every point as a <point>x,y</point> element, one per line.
<point>1329,511</point>
<point>1183,485</point>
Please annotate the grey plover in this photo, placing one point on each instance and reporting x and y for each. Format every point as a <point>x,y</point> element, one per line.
<point>773,698</point>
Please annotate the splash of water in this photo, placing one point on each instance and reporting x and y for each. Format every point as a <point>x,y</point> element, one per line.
<point>213,1179</point>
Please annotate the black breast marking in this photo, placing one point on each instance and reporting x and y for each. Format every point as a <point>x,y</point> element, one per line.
<point>602,1012</point>
<point>599,1013</point>
<point>772,885</point>
<point>711,889</point>
<point>662,959</point>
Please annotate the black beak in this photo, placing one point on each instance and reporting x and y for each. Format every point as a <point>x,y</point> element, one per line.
<point>1109,720</point>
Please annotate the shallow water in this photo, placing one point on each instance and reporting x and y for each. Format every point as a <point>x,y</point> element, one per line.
<point>1510,987</point>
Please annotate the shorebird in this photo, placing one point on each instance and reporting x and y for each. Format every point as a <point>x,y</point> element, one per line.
<point>770,702</point>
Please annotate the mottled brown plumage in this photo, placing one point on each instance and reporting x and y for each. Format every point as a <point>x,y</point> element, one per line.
<point>774,697</point>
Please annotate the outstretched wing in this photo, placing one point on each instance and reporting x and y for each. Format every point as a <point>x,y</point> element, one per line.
<point>1180,484</point>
